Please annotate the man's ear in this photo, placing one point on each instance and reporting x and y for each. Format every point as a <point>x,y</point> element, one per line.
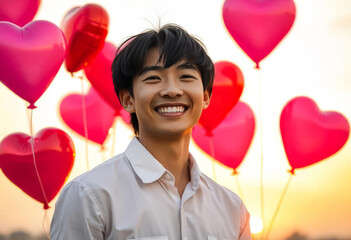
<point>207,98</point>
<point>127,101</point>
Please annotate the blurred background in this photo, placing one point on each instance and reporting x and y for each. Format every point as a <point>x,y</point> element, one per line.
<point>312,60</point>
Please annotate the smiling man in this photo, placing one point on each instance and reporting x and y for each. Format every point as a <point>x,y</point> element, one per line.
<point>154,190</point>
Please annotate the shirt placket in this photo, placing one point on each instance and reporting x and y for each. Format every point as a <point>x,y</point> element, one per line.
<point>188,193</point>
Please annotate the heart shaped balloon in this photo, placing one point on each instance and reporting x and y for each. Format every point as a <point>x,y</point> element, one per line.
<point>99,74</point>
<point>258,26</point>
<point>54,157</point>
<point>310,135</point>
<point>30,57</point>
<point>99,115</point>
<point>19,12</point>
<point>85,29</point>
<point>227,88</point>
<point>231,139</point>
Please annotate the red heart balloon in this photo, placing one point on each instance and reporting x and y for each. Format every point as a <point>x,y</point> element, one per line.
<point>258,25</point>
<point>99,74</point>
<point>54,156</point>
<point>231,139</point>
<point>85,29</point>
<point>99,115</point>
<point>227,88</point>
<point>310,135</point>
<point>30,57</point>
<point>19,12</point>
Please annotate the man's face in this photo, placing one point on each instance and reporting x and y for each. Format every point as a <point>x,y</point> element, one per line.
<point>167,101</point>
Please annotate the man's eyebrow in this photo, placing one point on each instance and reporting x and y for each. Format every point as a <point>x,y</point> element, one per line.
<point>150,68</point>
<point>187,66</point>
<point>157,67</point>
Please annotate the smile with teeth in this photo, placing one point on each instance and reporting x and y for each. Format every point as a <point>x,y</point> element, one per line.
<point>171,109</point>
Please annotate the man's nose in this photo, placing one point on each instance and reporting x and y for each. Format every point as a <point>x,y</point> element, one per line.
<point>171,89</point>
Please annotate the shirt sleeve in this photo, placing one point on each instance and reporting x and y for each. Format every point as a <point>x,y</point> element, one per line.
<point>77,215</point>
<point>245,232</point>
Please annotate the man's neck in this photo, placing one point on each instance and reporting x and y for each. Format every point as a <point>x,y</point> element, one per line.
<point>173,154</point>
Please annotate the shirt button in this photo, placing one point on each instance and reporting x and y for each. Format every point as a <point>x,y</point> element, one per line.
<point>168,176</point>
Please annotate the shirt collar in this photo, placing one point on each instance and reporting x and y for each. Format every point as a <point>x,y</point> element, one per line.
<point>149,169</point>
<point>144,164</point>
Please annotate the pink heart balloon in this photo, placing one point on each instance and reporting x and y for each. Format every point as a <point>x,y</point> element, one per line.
<point>258,25</point>
<point>99,115</point>
<point>30,57</point>
<point>310,135</point>
<point>19,12</point>
<point>99,74</point>
<point>231,139</point>
<point>54,157</point>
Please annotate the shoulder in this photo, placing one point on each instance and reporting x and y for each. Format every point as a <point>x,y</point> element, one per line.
<point>233,205</point>
<point>227,202</point>
<point>105,176</point>
<point>106,170</point>
<point>97,185</point>
<point>222,193</point>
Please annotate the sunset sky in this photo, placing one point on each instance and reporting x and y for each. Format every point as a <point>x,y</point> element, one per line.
<point>312,60</point>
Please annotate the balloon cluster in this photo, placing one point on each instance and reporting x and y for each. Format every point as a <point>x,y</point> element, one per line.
<point>86,29</point>
<point>40,164</point>
<point>226,128</point>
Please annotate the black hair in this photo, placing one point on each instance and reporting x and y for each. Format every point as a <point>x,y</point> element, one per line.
<point>174,44</point>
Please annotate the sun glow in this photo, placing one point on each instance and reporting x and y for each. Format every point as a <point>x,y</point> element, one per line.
<point>256,224</point>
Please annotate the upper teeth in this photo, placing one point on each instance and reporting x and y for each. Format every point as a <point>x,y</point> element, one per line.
<point>171,109</point>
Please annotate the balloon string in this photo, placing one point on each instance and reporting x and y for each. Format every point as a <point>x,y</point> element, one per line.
<point>46,204</point>
<point>28,114</point>
<point>44,224</point>
<point>239,187</point>
<point>103,151</point>
<point>278,207</point>
<point>85,125</point>
<point>213,160</point>
<point>113,139</point>
<point>261,145</point>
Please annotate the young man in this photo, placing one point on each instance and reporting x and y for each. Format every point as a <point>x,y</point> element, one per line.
<point>154,190</point>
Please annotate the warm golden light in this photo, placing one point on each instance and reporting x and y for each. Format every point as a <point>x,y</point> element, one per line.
<point>256,224</point>
<point>313,60</point>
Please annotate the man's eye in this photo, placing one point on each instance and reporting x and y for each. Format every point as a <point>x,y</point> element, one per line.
<point>187,76</point>
<point>152,78</point>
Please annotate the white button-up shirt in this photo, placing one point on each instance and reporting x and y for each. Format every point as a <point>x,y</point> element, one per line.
<point>132,196</point>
